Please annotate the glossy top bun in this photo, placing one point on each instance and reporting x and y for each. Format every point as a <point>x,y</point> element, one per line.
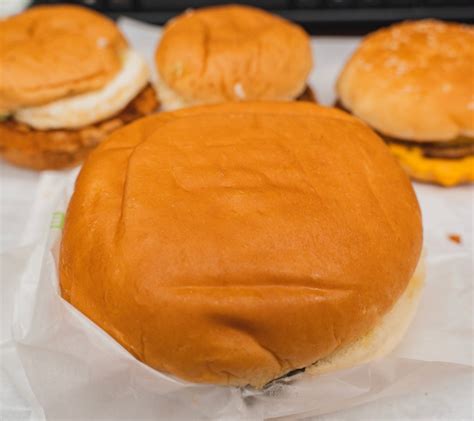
<point>413,81</point>
<point>49,52</point>
<point>234,243</point>
<point>233,53</point>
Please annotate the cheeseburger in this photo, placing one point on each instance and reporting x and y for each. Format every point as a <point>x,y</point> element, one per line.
<point>413,82</point>
<point>231,53</point>
<point>240,242</point>
<point>67,79</point>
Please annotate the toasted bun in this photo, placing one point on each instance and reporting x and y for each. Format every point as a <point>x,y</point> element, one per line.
<point>413,81</point>
<point>234,243</point>
<point>49,52</point>
<point>232,53</point>
<point>55,149</point>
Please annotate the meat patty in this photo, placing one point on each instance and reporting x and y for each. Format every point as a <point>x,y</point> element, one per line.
<point>307,95</point>
<point>456,149</point>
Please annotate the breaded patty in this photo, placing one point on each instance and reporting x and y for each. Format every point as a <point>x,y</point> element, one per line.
<point>55,149</point>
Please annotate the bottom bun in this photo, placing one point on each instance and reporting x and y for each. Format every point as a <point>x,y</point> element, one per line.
<point>383,338</point>
<point>170,100</point>
<point>56,149</point>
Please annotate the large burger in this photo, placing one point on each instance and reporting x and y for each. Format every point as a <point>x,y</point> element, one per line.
<point>414,83</point>
<point>237,243</point>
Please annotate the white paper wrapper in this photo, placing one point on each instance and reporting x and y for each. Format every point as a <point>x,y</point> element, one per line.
<point>75,370</point>
<point>61,366</point>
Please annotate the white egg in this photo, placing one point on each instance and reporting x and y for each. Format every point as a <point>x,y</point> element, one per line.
<point>91,107</point>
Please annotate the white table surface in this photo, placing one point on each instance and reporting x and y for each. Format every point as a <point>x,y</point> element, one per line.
<point>451,399</point>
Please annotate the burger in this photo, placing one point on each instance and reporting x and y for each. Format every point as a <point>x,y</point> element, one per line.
<point>231,53</point>
<point>413,83</point>
<point>67,80</point>
<point>240,242</point>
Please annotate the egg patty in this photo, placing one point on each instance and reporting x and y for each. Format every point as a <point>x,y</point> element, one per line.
<point>41,149</point>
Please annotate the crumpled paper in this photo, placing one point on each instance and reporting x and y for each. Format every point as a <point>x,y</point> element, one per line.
<point>73,369</point>
<point>62,366</point>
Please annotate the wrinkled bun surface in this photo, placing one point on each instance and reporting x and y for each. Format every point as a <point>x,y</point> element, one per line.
<point>234,243</point>
<point>233,53</point>
<point>49,52</point>
<point>413,81</point>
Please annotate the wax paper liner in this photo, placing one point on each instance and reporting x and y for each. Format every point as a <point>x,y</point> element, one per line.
<point>65,367</point>
<point>72,369</point>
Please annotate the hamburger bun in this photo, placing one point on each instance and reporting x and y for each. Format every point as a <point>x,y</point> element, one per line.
<point>231,53</point>
<point>384,337</point>
<point>49,52</point>
<point>238,242</point>
<point>413,81</point>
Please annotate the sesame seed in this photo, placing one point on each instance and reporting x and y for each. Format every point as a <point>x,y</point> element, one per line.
<point>239,91</point>
<point>102,42</point>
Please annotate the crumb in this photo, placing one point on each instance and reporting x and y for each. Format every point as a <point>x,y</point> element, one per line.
<point>455,238</point>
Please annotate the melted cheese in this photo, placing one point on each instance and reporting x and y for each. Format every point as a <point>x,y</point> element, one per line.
<point>91,107</point>
<point>447,172</point>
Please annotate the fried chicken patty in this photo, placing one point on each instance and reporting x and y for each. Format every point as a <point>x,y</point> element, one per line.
<point>22,145</point>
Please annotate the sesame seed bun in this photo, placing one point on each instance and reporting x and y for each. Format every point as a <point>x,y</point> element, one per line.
<point>240,241</point>
<point>49,52</point>
<point>231,53</point>
<point>413,81</point>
